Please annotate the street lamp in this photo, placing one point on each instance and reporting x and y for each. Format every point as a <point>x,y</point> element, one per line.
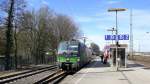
<point>116,10</point>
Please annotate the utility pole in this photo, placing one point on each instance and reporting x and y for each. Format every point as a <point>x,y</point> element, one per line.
<point>131,36</point>
<point>117,41</point>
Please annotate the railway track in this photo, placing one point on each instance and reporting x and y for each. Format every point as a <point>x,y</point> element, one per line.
<point>25,74</point>
<point>53,78</point>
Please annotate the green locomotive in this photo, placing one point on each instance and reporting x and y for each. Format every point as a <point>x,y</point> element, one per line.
<point>72,55</point>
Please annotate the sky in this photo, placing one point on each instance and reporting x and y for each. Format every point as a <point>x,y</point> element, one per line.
<point>93,19</point>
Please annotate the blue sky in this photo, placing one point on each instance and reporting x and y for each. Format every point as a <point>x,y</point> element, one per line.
<point>93,19</point>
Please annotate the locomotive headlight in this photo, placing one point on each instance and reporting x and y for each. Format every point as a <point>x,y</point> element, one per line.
<point>67,59</point>
<point>78,59</point>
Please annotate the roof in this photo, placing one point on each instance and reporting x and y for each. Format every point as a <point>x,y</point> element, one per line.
<point>121,45</point>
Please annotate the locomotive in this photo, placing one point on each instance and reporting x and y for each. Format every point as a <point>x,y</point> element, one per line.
<point>72,55</point>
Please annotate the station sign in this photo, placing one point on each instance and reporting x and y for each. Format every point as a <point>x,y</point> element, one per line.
<point>120,37</point>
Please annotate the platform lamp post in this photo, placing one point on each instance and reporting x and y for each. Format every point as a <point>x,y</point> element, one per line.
<point>116,10</point>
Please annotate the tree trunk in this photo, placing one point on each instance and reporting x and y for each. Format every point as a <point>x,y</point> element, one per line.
<point>9,39</point>
<point>16,49</point>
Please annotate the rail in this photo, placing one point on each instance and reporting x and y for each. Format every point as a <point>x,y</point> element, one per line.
<point>53,78</point>
<point>13,77</point>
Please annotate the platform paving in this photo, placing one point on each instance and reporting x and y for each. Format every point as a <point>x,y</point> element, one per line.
<point>98,73</point>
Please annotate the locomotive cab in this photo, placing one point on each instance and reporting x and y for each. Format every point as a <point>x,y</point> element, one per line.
<point>72,55</point>
<point>68,55</point>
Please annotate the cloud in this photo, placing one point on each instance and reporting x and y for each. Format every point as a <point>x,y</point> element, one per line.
<point>33,3</point>
<point>92,18</point>
<point>106,20</point>
<point>44,2</point>
<point>113,2</point>
<point>141,25</point>
<point>84,19</point>
<point>98,39</point>
<point>141,18</point>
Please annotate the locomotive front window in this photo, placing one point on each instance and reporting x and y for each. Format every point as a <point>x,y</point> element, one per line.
<point>73,48</point>
<point>62,46</point>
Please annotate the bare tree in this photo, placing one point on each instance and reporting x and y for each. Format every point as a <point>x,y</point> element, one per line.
<point>67,27</point>
<point>11,8</point>
<point>9,34</point>
<point>19,7</point>
<point>2,41</point>
<point>41,31</point>
<point>95,48</point>
<point>27,35</point>
<point>30,34</point>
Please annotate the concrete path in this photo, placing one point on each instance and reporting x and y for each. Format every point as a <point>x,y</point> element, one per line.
<point>98,73</point>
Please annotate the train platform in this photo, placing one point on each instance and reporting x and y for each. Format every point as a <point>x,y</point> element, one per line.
<point>98,73</point>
